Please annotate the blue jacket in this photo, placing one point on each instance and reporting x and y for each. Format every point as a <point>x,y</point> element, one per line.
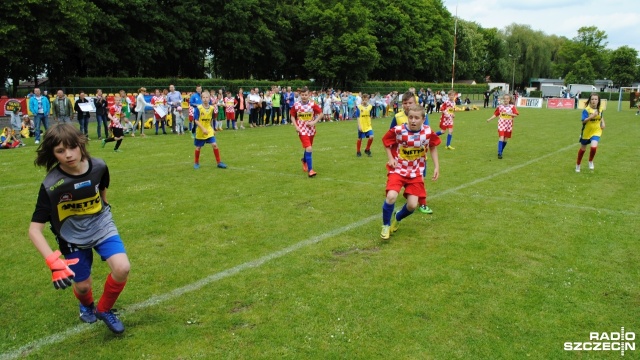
<point>290,99</point>
<point>33,105</point>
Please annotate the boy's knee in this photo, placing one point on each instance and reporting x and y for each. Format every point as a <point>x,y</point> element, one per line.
<point>83,287</point>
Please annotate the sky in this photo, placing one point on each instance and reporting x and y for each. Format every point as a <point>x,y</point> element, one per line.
<point>620,19</point>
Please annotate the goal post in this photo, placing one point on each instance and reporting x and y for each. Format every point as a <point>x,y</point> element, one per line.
<point>634,96</point>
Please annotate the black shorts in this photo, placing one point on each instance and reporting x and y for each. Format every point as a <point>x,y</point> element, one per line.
<point>117,132</point>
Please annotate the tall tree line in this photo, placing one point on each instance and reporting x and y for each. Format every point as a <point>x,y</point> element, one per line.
<point>335,42</point>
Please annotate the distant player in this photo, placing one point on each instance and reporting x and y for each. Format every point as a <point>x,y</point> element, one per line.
<point>115,116</point>
<point>592,126</point>
<point>304,115</point>
<point>203,117</point>
<point>448,109</point>
<point>506,112</point>
<point>406,147</point>
<point>73,199</point>
<point>365,130</point>
<point>159,101</point>
<point>230,110</point>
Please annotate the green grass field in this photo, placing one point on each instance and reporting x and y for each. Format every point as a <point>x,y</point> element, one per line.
<point>260,262</point>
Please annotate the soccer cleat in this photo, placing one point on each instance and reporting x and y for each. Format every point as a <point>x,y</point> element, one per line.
<point>425,209</point>
<point>222,165</point>
<point>88,313</point>
<point>104,142</point>
<point>117,150</point>
<point>37,142</point>
<point>359,154</point>
<point>450,147</point>
<point>499,156</point>
<point>591,166</point>
<point>305,168</point>
<point>312,173</point>
<point>368,152</point>
<point>395,224</point>
<point>577,168</point>
<point>384,234</point>
<point>111,320</point>
<point>196,166</point>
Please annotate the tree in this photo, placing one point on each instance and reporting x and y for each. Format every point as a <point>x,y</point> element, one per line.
<point>623,66</point>
<point>582,72</point>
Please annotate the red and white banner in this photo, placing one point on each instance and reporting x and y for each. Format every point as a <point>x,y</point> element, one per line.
<point>8,105</point>
<point>560,103</point>
<point>529,102</point>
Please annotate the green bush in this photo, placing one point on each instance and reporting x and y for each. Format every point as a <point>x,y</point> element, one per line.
<point>535,94</point>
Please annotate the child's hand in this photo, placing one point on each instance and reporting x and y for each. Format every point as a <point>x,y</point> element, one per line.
<point>205,132</point>
<point>392,163</point>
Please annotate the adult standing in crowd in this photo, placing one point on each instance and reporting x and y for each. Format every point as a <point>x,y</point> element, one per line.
<point>83,116</point>
<point>194,101</point>
<point>62,109</point>
<point>100,102</point>
<point>39,106</point>
<point>487,96</point>
<point>289,100</point>
<point>141,105</point>
<point>174,99</point>
<point>241,106</point>
<point>276,100</point>
<point>254,107</point>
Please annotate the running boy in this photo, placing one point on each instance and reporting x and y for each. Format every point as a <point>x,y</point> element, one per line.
<point>364,125</point>
<point>203,116</point>
<point>73,199</point>
<point>117,131</point>
<point>506,112</point>
<point>448,109</point>
<point>304,115</point>
<point>406,147</point>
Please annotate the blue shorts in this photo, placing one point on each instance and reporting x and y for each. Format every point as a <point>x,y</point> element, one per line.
<point>362,135</point>
<point>105,249</point>
<point>588,141</point>
<point>200,143</point>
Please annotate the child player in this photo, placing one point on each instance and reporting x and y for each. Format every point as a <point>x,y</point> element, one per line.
<point>230,110</point>
<point>203,116</point>
<point>304,115</point>
<point>406,146</point>
<point>115,114</point>
<point>364,125</point>
<point>158,101</point>
<point>592,125</point>
<point>400,118</point>
<point>506,113</point>
<point>446,120</point>
<point>73,199</point>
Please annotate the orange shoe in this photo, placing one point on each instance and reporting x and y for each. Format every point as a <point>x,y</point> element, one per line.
<point>305,168</point>
<point>312,173</point>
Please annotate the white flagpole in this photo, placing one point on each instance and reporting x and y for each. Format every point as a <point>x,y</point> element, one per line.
<point>455,34</point>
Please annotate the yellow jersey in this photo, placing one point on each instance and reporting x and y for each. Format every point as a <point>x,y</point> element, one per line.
<point>204,116</point>
<point>592,127</point>
<point>364,120</point>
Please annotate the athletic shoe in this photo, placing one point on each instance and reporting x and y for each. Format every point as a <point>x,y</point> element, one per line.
<point>196,166</point>
<point>395,224</point>
<point>88,313</point>
<point>305,168</point>
<point>312,173</point>
<point>359,154</point>
<point>222,165</point>
<point>499,156</point>
<point>450,148</point>
<point>37,142</point>
<point>577,168</point>
<point>384,234</point>
<point>117,150</point>
<point>104,142</point>
<point>111,320</point>
<point>425,209</point>
<point>591,166</point>
<point>368,152</point>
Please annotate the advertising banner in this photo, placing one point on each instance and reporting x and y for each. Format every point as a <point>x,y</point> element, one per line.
<point>582,103</point>
<point>529,102</point>
<point>8,105</point>
<point>560,103</point>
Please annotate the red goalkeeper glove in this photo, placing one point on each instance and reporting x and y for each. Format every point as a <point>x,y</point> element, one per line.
<point>61,275</point>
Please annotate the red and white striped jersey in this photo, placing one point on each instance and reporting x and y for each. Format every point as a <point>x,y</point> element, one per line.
<point>409,149</point>
<point>116,112</point>
<point>505,117</point>
<point>303,113</point>
<point>447,109</point>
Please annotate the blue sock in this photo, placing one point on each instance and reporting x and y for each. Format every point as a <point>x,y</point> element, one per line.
<point>500,147</point>
<point>439,132</point>
<point>504,145</point>
<point>387,211</point>
<point>449,136</point>
<point>307,159</point>
<point>403,213</point>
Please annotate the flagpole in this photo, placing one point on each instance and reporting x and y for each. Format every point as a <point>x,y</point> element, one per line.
<point>455,33</point>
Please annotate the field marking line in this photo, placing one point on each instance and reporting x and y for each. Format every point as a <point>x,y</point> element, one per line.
<point>157,299</point>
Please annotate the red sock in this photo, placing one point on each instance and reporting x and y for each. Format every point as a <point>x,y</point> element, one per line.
<point>369,144</point>
<point>422,201</point>
<point>592,153</point>
<point>359,144</point>
<point>86,299</point>
<point>216,152</point>
<point>197,156</point>
<point>580,154</point>
<point>112,290</point>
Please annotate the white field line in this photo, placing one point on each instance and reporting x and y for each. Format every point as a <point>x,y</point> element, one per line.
<point>157,299</point>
